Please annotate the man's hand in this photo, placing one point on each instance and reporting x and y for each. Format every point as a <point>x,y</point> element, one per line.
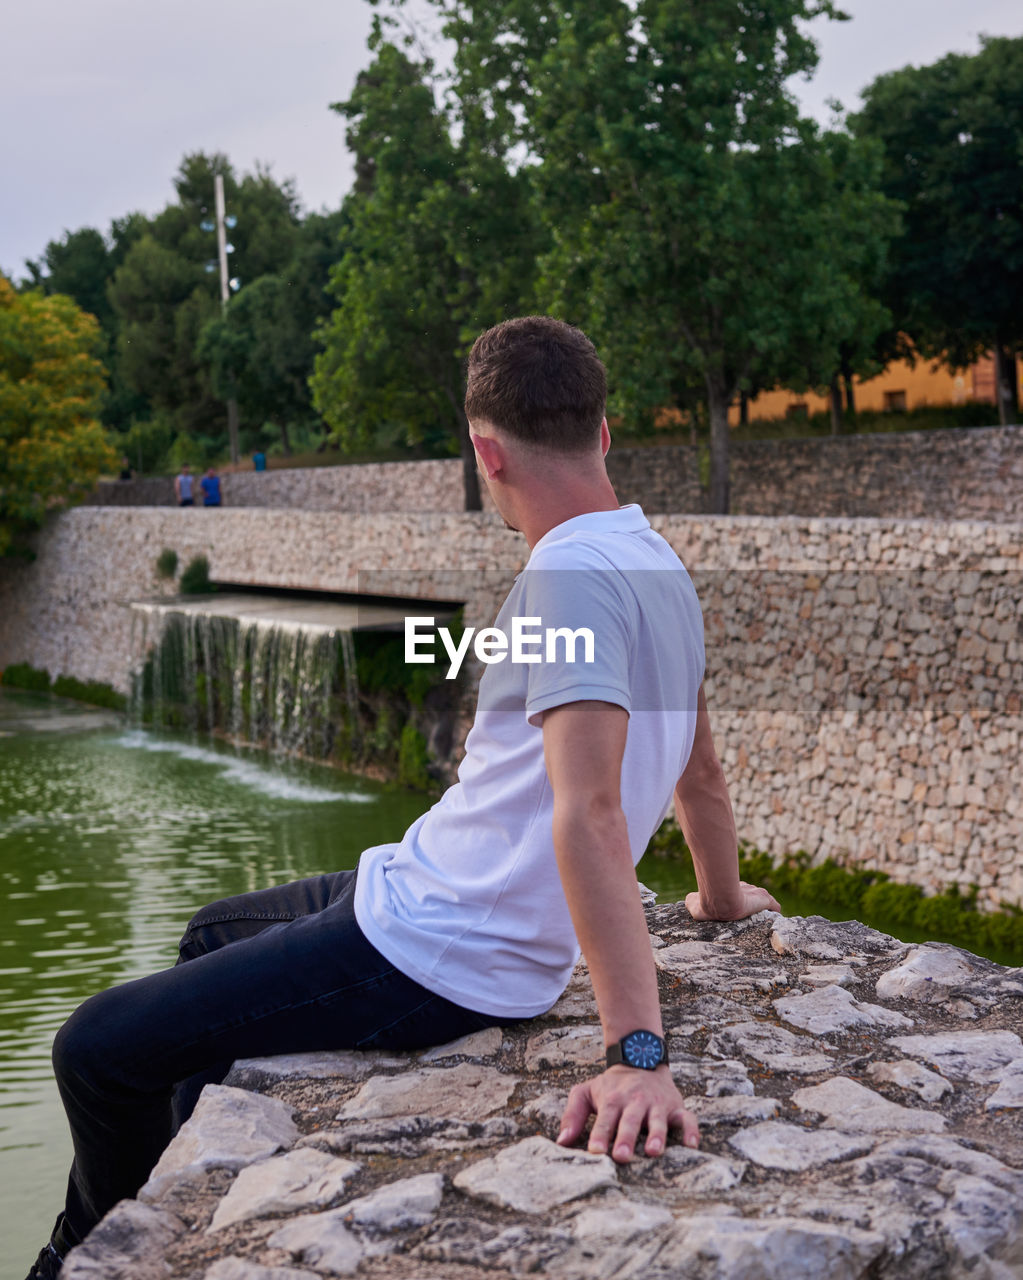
<point>752,899</point>
<point>626,1100</point>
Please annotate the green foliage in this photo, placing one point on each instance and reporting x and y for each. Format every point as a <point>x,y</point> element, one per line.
<point>413,760</point>
<point>163,296</point>
<point>52,446</point>
<point>702,233</point>
<point>148,442</point>
<point>167,563</point>
<point>871,896</point>
<point>195,577</point>
<point>436,249</point>
<point>261,349</point>
<point>949,134</point>
<point>95,692</point>
<point>22,675</point>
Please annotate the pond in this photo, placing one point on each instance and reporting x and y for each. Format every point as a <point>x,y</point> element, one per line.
<point>109,840</point>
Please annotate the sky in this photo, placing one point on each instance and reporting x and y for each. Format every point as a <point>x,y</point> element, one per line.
<point>100,100</point>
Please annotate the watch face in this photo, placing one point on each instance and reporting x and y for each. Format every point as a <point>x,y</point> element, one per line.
<point>642,1049</point>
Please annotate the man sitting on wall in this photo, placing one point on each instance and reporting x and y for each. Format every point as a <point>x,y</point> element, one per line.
<point>477,916</point>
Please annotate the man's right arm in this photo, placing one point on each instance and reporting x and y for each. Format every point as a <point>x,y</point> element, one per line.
<point>704,812</point>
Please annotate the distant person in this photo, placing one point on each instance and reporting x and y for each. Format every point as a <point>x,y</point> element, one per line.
<point>184,483</point>
<point>210,486</point>
<point>126,471</point>
<point>259,460</point>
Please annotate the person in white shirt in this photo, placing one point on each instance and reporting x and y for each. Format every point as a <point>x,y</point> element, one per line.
<point>478,914</point>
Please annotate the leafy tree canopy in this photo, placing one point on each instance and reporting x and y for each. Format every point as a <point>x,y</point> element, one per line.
<point>52,445</point>
<point>950,135</point>
<point>167,288</point>
<point>688,204</point>
<point>441,241</point>
<point>261,349</point>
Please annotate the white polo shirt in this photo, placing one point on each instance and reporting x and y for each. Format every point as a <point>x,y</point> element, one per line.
<point>470,902</point>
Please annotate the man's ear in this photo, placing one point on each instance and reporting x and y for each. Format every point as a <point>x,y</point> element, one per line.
<point>489,453</point>
<point>605,437</point>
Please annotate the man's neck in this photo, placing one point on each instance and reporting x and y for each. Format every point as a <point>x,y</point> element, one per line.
<point>554,504</point>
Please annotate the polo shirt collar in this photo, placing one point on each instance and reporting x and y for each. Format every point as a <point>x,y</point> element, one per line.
<point>627,519</point>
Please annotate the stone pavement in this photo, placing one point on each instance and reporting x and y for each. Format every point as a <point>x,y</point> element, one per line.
<point>860,1103</point>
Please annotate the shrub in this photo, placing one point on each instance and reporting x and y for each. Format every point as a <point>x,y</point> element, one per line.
<point>195,577</point>
<point>872,897</point>
<point>167,563</point>
<point>22,675</point>
<point>93,691</point>
<point>413,759</point>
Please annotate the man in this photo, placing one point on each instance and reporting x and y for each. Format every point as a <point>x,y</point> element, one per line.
<point>184,483</point>
<point>475,918</point>
<point>211,491</point>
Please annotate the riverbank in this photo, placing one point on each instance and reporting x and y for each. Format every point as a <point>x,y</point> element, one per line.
<point>860,1100</point>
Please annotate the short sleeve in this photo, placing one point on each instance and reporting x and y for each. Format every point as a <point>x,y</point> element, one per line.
<point>578,633</point>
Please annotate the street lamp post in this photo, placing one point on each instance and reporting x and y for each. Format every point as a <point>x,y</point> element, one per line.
<point>225,293</point>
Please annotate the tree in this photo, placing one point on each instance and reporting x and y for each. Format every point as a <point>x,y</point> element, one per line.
<point>262,348</point>
<point>440,243</point>
<point>840,327</point>
<point>164,292</point>
<point>81,265</point>
<point>77,265</point>
<point>950,134</point>
<point>51,385</point>
<point>680,187</point>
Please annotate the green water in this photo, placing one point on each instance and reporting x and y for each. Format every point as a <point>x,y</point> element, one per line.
<point>109,840</point>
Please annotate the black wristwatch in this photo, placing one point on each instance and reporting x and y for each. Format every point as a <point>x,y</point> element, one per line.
<point>642,1049</point>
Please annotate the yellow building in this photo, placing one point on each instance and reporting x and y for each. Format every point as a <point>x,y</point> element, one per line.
<point>901,386</point>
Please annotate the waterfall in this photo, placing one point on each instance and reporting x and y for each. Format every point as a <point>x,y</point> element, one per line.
<point>322,679</point>
<point>274,683</point>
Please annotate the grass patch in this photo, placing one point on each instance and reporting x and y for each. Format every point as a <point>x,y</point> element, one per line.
<point>94,692</point>
<point>871,896</point>
<point>22,675</point>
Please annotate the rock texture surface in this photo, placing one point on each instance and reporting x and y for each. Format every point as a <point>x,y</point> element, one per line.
<point>850,1130</point>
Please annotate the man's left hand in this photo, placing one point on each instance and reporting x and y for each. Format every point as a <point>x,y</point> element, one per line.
<point>626,1100</point>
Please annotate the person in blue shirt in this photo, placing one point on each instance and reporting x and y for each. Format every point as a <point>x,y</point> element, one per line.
<point>210,486</point>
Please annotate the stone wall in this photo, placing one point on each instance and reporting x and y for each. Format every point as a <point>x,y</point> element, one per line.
<point>940,475</point>
<point>865,676</point>
<point>357,489</point>
<point>857,1118</point>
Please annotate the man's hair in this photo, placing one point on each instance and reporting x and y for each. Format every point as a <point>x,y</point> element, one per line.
<point>541,381</point>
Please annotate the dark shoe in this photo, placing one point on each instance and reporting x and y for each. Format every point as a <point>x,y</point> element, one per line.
<point>47,1265</point>
<point>52,1255</point>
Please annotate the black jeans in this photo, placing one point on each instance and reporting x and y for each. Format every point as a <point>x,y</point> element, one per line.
<point>283,970</point>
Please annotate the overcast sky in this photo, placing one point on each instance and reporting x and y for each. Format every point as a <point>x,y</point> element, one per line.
<point>100,100</point>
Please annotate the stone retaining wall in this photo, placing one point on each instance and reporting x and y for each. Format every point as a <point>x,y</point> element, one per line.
<point>865,677</point>
<point>858,1117</point>
<point>940,475</point>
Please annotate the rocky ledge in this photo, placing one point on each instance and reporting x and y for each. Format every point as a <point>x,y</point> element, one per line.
<point>860,1102</point>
